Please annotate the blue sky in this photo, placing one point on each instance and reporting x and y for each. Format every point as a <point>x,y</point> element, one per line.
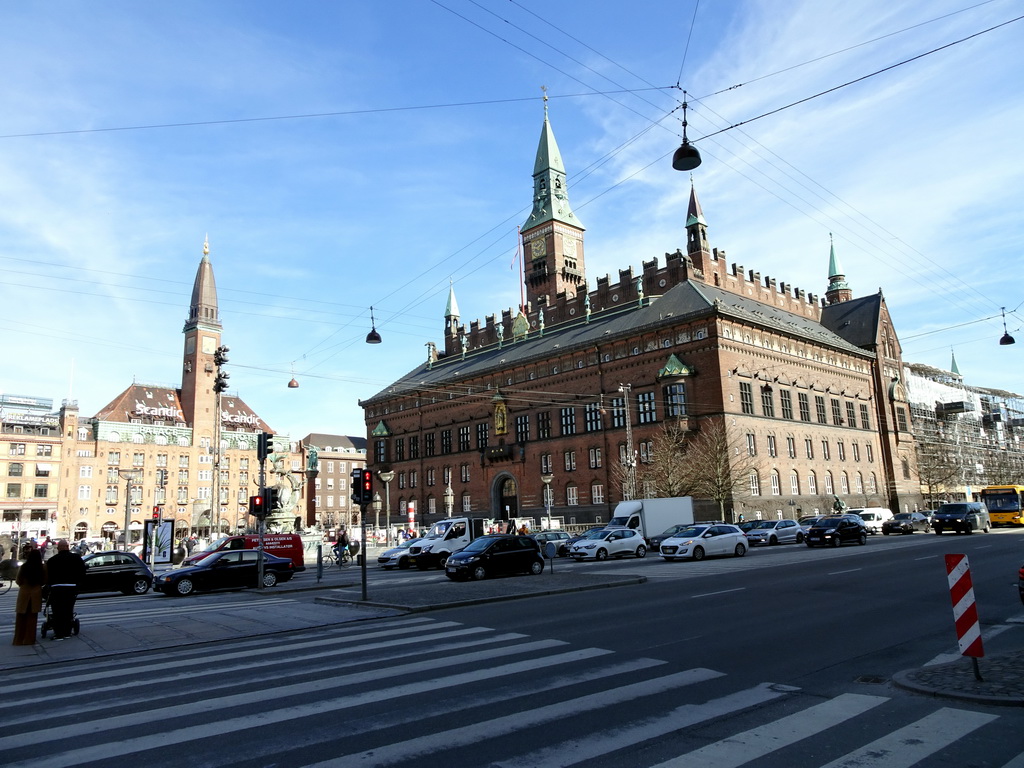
<point>347,154</point>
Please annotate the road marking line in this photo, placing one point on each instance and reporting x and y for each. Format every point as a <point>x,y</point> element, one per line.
<point>722,592</point>
<point>839,573</point>
<point>519,721</point>
<point>757,742</point>
<point>345,687</point>
<point>594,746</point>
<point>913,743</point>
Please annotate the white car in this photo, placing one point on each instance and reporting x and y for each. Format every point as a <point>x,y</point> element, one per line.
<point>611,542</point>
<point>699,541</point>
<point>873,517</point>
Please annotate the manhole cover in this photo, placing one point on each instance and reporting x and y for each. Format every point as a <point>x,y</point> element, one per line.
<point>872,679</point>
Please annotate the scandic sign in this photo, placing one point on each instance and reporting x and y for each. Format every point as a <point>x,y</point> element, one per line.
<point>965,611</point>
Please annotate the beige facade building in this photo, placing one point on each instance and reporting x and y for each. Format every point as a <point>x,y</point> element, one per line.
<point>152,450</point>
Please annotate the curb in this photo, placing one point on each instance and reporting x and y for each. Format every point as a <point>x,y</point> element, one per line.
<point>1003,683</point>
<point>423,608</point>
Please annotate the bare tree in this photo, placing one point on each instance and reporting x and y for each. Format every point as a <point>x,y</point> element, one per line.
<point>938,468</point>
<point>705,464</point>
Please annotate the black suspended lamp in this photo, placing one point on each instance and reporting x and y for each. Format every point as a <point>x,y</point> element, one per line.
<point>1007,339</point>
<point>686,158</point>
<point>372,337</point>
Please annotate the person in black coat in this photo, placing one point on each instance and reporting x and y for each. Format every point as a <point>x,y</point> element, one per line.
<point>65,573</point>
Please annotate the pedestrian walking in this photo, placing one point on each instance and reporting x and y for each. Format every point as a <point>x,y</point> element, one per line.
<point>65,572</point>
<point>30,581</point>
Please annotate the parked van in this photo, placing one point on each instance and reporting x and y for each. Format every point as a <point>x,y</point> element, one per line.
<point>281,544</point>
<point>873,517</point>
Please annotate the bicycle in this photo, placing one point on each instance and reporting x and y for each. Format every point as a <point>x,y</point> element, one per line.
<point>341,560</point>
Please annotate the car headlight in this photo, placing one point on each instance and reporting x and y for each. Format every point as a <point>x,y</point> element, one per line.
<point>425,549</point>
<point>589,546</point>
<point>830,530</point>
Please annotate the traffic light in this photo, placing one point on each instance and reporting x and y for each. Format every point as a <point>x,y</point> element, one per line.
<point>156,513</point>
<point>220,381</point>
<point>271,499</point>
<point>264,445</point>
<point>365,486</point>
<point>357,486</point>
<point>256,507</point>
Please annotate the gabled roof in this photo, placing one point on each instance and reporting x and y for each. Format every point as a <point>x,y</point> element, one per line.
<point>141,401</point>
<point>683,301</point>
<point>335,442</point>
<point>855,320</point>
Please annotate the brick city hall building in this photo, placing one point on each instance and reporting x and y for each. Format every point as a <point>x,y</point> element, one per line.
<point>581,382</point>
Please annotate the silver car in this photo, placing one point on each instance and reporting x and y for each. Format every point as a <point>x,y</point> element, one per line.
<point>776,532</point>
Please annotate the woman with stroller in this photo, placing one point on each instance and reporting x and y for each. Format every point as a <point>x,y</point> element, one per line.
<point>31,577</point>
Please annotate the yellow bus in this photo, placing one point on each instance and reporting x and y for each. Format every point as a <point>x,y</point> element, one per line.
<point>1004,503</point>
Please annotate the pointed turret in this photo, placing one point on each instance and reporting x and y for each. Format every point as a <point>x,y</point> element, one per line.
<point>552,235</point>
<point>697,234</point>
<point>953,366</point>
<point>838,290</point>
<point>202,337</point>
<point>451,314</point>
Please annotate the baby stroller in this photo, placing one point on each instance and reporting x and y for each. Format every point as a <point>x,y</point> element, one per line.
<point>47,625</point>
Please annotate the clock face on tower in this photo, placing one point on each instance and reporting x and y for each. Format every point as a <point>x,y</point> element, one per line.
<point>569,247</point>
<point>190,345</point>
<point>538,249</point>
<point>209,345</point>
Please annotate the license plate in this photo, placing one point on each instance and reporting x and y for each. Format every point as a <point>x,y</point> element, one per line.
<point>451,569</point>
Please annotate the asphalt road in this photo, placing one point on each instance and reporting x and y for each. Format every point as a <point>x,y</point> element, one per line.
<point>775,660</point>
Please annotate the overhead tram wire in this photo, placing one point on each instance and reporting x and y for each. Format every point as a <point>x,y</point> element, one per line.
<point>243,120</point>
<point>945,287</point>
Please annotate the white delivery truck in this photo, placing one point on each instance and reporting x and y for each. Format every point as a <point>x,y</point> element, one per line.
<point>445,538</point>
<point>653,516</point>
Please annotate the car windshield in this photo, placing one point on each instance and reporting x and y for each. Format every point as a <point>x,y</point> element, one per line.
<point>808,520</point>
<point>208,560</point>
<point>903,516</point>
<point>829,521</point>
<point>598,533</point>
<point>692,532</point>
<point>953,509</point>
<point>478,545</point>
<point>766,524</point>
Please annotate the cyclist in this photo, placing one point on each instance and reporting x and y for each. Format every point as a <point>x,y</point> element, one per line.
<point>341,550</point>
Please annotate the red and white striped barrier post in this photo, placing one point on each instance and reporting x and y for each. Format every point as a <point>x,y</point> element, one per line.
<point>965,611</point>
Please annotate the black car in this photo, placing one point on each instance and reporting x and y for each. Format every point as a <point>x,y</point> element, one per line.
<point>962,517</point>
<point>655,541</point>
<point>837,529</point>
<point>225,570</point>
<point>905,522</point>
<point>496,555</point>
<point>116,572</point>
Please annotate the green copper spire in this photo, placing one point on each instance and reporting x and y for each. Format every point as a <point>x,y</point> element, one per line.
<point>952,367</point>
<point>452,310</point>
<point>550,197</point>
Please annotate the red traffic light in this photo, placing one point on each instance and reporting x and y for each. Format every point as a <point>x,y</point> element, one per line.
<point>156,513</point>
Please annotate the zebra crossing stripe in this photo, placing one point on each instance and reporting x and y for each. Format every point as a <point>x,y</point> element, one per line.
<point>592,747</point>
<point>913,743</point>
<point>66,731</point>
<point>749,745</point>
<point>181,668</point>
<point>137,691</point>
<point>509,724</point>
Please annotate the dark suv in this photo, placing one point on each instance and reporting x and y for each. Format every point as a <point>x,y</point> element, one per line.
<point>962,517</point>
<point>837,529</point>
<point>495,555</point>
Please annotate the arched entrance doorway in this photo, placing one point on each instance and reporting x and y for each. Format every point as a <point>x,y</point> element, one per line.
<point>505,497</point>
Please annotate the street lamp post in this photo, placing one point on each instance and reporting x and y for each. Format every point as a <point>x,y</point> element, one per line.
<point>128,475</point>
<point>386,478</point>
<point>629,487</point>
<point>449,500</point>
<point>546,479</point>
<point>376,512</point>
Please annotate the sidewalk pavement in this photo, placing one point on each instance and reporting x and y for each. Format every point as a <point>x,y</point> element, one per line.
<point>338,600</point>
